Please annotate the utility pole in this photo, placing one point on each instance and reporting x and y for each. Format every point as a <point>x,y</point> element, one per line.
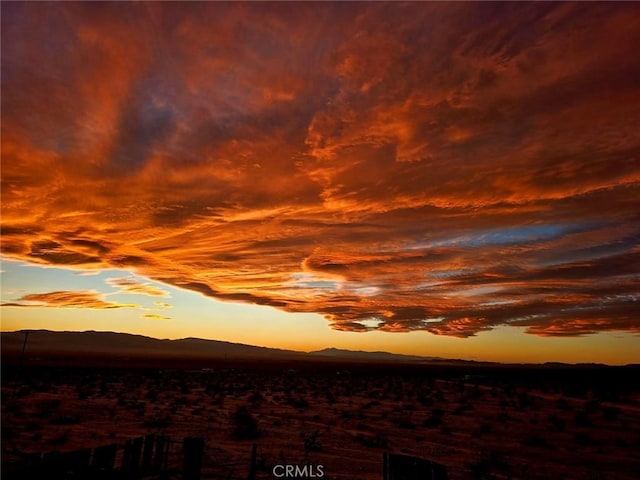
<point>21,367</point>
<point>24,347</point>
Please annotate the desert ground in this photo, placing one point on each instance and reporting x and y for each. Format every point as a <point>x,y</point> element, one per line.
<point>543,422</point>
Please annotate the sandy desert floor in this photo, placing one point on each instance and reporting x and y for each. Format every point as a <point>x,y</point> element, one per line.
<point>340,417</point>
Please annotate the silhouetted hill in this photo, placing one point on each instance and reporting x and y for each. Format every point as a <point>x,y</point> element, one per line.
<point>363,355</point>
<point>125,347</point>
<point>42,342</point>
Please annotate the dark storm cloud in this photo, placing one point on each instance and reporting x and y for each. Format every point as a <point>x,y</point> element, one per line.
<point>421,166</point>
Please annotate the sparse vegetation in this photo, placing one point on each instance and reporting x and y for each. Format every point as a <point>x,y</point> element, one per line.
<point>60,439</point>
<point>312,441</point>
<point>371,440</point>
<point>245,426</point>
<point>316,414</point>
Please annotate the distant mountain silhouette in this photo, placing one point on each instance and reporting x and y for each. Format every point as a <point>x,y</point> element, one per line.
<point>47,343</point>
<point>124,344</point>
<point>363,355</point>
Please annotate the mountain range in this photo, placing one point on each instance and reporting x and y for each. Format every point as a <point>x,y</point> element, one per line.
<point>128,348</point>
<point>93,343</point>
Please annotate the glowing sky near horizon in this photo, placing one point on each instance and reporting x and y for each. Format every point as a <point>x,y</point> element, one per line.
<point>437,178</point>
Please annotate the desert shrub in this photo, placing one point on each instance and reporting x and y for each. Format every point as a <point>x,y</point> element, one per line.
<point>464,407</point>
<point>488,464</point>
<point>508,391</point>
<point>371,440</point>
<point>152,395</point>
<point>557,422</point>
<point>23,391</point>
<point>524,400</point>
<point>372,403</point>
<point>256,399</point>
<point>402,422</point>
<point>60,438</point>
<point>435,418</point>
<point>476,393</point>
<point>180,401</point>
<point>8,433</point>
<point>245,426</point>
<point>563,404</point>
<point>311,441</point>
<point>610,413</point>
<point>46,408</point>
<point>33,427</point>
<point>347,414</point>
<point>83,393</point>
<point>582,438</point>
<point>581,419</point>
<point>65,420</point>
<point>12,407</point>
<point>575,391</point>
<point>300,403</point>
<point>485,428</point>
<point>374,394</point>
<point>159,421</point>
<point>503,417</point>
<point>42,387</point>
<point>591,406</point>
<point>621,443</point>
<point>103,389</point>
<point>536,440</point>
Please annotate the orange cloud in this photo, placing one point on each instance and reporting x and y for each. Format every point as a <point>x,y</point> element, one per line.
<point>153,316</point>
<point>66,299</point>
<point>390,166</point>
<point>129,285</point>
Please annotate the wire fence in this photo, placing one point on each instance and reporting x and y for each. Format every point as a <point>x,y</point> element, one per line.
<point>158,457</point>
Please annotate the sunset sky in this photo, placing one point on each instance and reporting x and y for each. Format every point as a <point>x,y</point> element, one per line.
<point>444,179</point>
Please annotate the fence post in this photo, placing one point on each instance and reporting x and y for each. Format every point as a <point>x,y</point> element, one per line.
<point>193,451</point>
<point>252,467</point>
<point>147,453</point>
<point>165,458</point>
<point>136,453</point>
<point>131,457</point>
<point>396,466</point>
<point>156,466</point>
<point>104,458</point>
<point>126,457</point>
<point>385,466</point>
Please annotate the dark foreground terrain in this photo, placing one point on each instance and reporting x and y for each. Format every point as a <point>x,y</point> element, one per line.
<point>542,422</point>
